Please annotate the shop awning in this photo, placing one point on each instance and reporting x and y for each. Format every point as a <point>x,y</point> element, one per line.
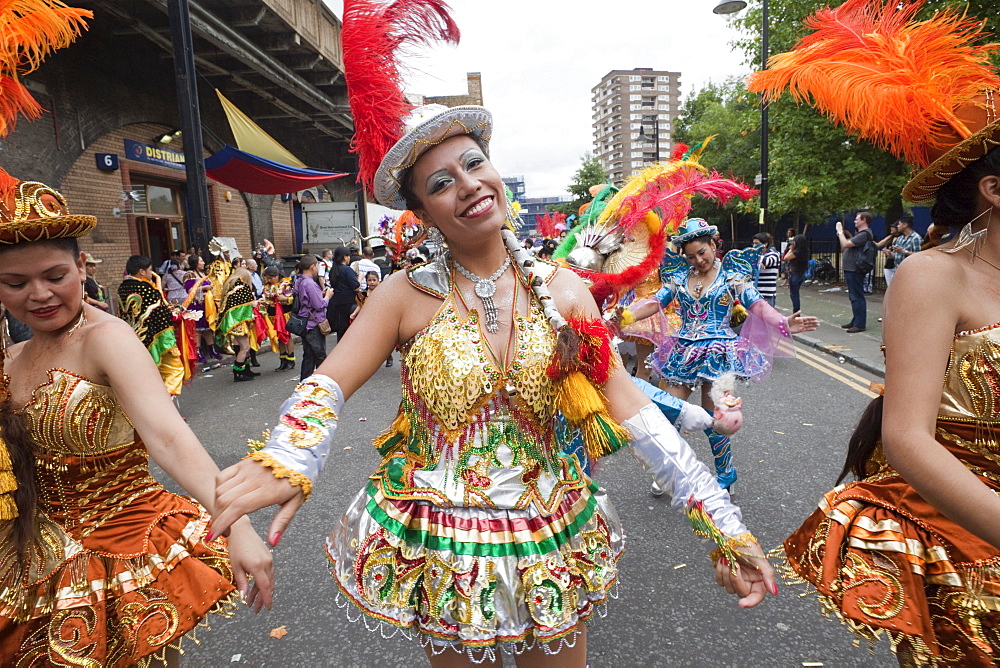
<point>253,174</point>
<point>260,165</point>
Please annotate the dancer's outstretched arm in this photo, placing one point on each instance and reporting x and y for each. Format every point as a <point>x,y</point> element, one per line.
<point>296,451</point>
<point>663,453</point>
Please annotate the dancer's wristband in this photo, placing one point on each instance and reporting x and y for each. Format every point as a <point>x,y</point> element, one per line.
<point>298,445</point>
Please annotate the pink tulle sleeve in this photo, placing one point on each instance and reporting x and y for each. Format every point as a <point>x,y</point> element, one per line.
<point>767,330</point>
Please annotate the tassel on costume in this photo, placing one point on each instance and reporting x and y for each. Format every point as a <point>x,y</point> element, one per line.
<point>8,485</point>
<point>253,445</point>
<point>727,546</point>
<point>397,432</point>
<point>581,363</point>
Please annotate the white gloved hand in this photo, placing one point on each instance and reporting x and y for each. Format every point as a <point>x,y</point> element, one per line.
<point>694,418</point>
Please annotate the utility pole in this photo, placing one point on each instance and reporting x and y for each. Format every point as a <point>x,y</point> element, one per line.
<point>186,78</point>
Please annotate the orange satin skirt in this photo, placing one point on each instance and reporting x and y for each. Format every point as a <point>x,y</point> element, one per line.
<point>127,573</point>
<point>888,564</point>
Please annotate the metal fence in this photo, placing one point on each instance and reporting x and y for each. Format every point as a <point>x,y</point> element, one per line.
<point>829,249</point>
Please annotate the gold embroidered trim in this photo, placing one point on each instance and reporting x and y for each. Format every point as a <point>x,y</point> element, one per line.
<point>281,471</point>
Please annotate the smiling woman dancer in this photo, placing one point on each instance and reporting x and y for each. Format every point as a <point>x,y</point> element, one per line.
<point>911,551</point>
<point>98,563</point>
<point>475,531</point>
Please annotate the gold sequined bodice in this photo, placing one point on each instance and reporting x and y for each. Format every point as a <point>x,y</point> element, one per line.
<point>450,369</point>
<point>69,415</point>
<point>971,390</point>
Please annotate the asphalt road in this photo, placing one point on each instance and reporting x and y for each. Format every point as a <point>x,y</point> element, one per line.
<point>669,611</point>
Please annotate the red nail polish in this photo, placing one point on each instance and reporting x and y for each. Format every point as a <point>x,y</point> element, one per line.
<point>209,537</point>
<point>275,539</point>
<point>774,589</point>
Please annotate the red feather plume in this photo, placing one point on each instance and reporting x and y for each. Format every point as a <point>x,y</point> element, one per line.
<point>374,35</point>
<point>547,224</point>
<point>892,79</point>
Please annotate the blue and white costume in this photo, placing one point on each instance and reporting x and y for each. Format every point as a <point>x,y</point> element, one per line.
<point>706,346</point>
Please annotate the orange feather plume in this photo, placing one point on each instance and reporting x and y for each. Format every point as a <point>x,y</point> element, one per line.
<point>893,80</point>
<point>30,30</point>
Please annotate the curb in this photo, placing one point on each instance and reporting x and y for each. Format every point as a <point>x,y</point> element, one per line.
<point>862,363</point>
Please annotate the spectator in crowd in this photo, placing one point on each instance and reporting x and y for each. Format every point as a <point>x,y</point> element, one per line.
<point>372,280</point>
<point>258,283</point>
<point>885,247</point>
<point>529,245</point>
<point>345,285</point>
<point>325,264</point>
<point>94,293</point>
<point>173,282</point>
<point>365,266</point>
<point>855,279</point>
<point>789,235</point>
<point>312,307</point>
<point>354,253</point>
<point>796,260</point>
<point>908,241</point>
<point>767,268</point>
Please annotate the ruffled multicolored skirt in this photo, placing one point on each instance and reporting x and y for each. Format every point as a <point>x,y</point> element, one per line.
<point>478,579</point>
<point>888,564</point>
<point>688,362</point>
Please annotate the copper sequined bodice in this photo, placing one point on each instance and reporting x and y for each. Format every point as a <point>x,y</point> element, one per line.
<point>90,464</point>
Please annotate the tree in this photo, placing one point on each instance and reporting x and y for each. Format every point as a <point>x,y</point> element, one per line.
<point>590,173</point>
<point>815,167</point>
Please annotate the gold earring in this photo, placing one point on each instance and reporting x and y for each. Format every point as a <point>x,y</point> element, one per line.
<point>966,237</point>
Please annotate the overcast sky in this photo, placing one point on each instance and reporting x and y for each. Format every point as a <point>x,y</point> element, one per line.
<point>540,58</point>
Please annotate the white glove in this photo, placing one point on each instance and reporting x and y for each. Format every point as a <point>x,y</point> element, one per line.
<point>694,418</point>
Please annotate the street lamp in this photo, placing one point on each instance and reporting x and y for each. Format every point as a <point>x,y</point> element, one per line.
<point>655,140</point>
<point>731,7</point>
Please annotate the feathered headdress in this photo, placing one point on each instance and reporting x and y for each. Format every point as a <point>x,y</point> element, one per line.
<point>374,34</point>
<point>903,84</point>
<point>636,223</point>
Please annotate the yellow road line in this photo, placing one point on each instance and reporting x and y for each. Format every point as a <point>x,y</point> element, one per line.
<point>838,367</point>
<point>863,389</point>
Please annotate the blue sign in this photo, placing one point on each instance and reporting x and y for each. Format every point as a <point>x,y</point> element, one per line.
<point>107,162</point>
<point>153,155</point>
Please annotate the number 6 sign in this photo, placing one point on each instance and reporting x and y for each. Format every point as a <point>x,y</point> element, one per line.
<point>107,161</point>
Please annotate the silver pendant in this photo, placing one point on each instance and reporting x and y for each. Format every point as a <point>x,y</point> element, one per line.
<point>486,288</point>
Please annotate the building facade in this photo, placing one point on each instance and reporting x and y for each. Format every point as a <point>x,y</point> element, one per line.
<point>110,140</point>
<point>474,83</point>
<point>633,115</point>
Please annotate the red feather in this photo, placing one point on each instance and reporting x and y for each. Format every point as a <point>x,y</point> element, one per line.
<point>680,149</point>
<point>594,359</point>
<point>547,224</point>
<point>373,36</point>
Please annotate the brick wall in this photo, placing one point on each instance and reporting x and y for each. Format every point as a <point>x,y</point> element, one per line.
<point>281,220</point>
<point>91,191</point>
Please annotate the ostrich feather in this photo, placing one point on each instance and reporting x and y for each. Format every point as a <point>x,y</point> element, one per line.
<point>30,30</point>
<point>374,35</point>
<point>891,79</point>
